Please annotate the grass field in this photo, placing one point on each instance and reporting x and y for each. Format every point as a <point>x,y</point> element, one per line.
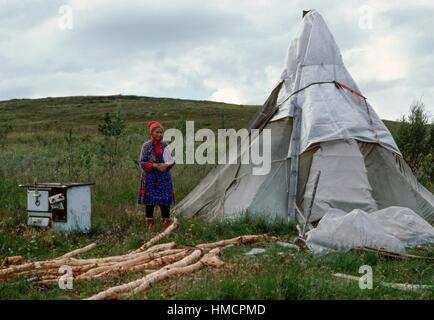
<point>41,146</point>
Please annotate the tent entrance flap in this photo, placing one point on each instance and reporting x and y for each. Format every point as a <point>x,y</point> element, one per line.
<point>344,180</point>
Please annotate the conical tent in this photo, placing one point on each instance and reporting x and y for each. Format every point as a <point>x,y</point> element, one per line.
<point>319,121</point>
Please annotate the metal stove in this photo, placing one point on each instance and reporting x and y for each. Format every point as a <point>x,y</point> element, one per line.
<point>61,206</point>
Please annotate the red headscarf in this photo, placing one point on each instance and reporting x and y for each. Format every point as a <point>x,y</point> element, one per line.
<point>152,125</point>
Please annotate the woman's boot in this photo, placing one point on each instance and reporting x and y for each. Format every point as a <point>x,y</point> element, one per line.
<point>167,222</point>
<point>150,223</point>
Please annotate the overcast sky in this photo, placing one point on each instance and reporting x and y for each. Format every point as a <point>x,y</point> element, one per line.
<point>230,51</point>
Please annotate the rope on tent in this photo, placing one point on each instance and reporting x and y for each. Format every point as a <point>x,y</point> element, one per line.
<point>338,85</point>
<point>299,90</point>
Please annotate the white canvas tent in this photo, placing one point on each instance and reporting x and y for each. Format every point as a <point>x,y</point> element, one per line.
<point>319,120</point>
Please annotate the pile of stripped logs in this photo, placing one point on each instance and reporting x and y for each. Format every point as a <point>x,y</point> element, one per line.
<point>157,261</point>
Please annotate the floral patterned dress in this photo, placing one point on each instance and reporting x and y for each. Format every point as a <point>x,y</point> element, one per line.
<point>156,187</point>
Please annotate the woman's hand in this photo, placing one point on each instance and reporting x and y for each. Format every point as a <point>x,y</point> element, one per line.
<point>160,166</point>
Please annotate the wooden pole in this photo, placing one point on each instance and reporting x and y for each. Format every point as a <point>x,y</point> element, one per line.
<point>78,251</point>
<point>294,149</point>
<point>158,237</point>
<point>309,212</point>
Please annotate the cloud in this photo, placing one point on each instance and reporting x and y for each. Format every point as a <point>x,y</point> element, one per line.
<point>386,55</point>
<point>218,50</point>
<point>228,94</point>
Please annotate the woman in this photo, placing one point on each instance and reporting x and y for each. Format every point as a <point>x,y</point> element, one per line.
<point>156,186</point>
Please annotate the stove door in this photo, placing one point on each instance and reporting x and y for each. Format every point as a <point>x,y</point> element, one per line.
<point>38,221</point>
<point>37,200</point>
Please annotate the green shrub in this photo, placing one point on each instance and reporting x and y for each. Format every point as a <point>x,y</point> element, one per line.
<point>112,128</point>
<point>415,139</point>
